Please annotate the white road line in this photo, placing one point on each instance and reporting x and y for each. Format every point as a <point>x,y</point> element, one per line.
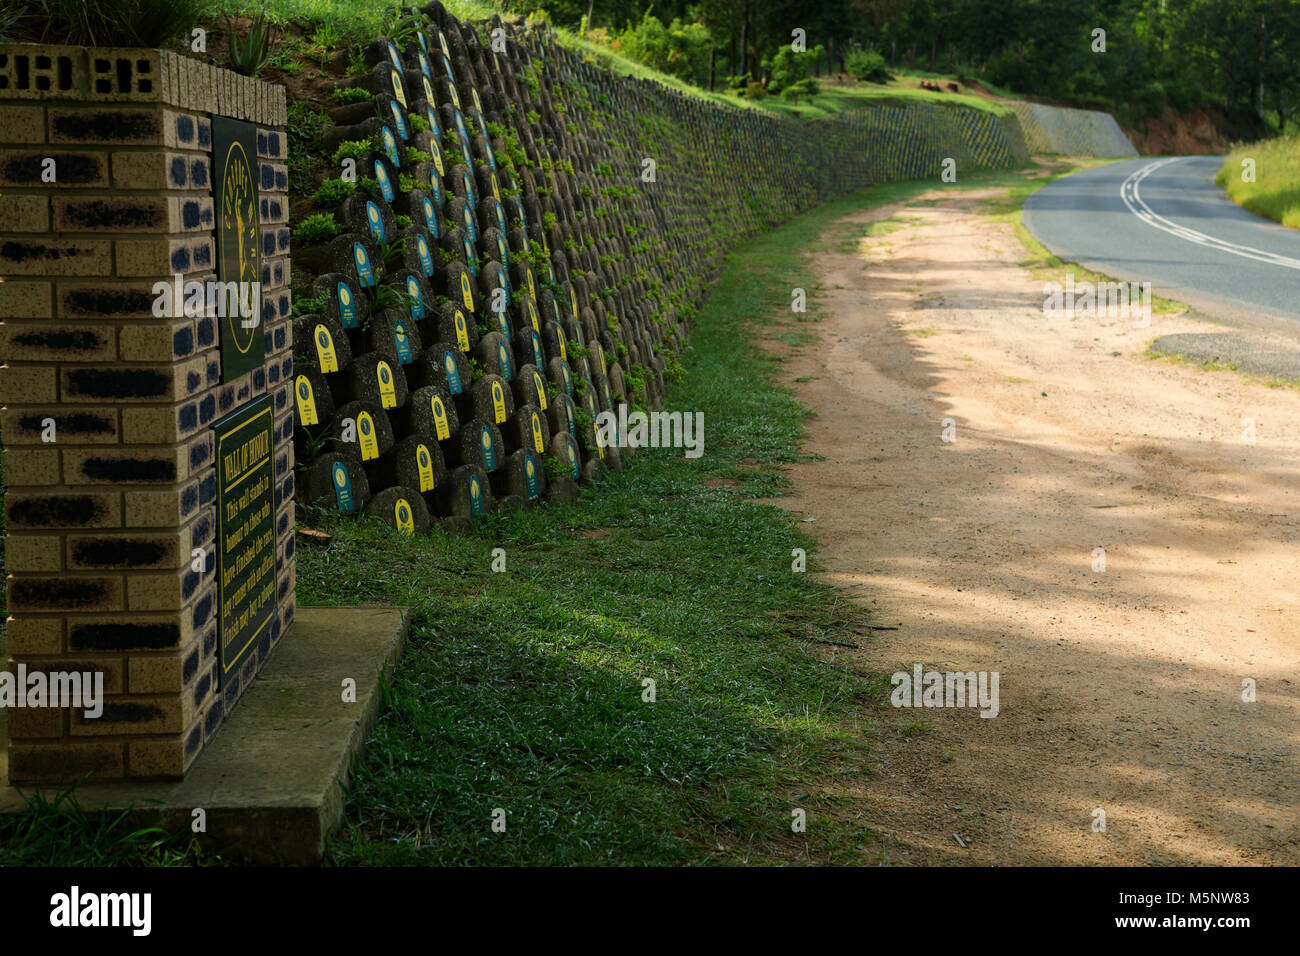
<point>1138,206</point>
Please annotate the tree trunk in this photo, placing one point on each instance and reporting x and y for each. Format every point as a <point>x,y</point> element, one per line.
<point>1263,53</point>
<point>744,43</point>
<point>911,57</point>
<point>713,56</point>
<point>934,56</point>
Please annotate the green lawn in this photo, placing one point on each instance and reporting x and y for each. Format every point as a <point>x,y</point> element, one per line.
<point>1275,193</point>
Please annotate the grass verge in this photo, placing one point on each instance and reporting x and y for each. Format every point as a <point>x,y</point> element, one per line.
<point>1275,190</point>
<point>57,832</point>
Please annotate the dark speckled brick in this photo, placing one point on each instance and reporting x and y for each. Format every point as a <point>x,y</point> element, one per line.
<point>183,342</point>
<point>208,490</point>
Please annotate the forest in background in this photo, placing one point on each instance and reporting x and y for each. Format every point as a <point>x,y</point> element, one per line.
<point>1237,58</point>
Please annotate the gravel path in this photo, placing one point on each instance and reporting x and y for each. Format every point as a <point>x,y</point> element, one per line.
<point>1120,689</point>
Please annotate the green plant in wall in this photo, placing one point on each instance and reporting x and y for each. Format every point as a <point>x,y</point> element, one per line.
<point>305,306</point>
<point>555,468</point>
<point>402,28</point>
<point>354,149</point>
<point>315,443</point>
<point>305,128</point>
<point>318,228</point>
<point>332,192</point>
<point>254,52</point>
<point>353,94</point>
<point>392,252</point>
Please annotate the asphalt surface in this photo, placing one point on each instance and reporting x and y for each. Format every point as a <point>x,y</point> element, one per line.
<point>1164,221</point>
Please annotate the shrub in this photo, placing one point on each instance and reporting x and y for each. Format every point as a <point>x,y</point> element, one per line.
<point>867,65</point>
<point>679,49</point>
<point>806,87</point>
<point>787,67</point>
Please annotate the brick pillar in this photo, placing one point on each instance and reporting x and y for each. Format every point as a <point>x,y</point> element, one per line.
<point>104,520</point>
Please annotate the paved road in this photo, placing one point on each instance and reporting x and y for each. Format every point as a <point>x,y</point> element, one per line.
<point>1166,222</point>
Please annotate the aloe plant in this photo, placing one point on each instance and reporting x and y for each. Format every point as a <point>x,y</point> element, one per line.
<point>248,58</point>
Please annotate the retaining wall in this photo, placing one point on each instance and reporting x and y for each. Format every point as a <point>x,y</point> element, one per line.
<point>564,224</point>
<point>1071,132</point>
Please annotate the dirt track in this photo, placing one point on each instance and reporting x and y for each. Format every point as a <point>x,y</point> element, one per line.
<point>1120,689</point>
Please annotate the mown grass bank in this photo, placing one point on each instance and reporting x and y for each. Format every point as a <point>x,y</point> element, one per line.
<point>523,690</point>
<point>327,25</point>
<point>1275,191</point>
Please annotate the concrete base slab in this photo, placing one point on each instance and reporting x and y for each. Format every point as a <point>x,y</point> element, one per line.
<point>271,783</point>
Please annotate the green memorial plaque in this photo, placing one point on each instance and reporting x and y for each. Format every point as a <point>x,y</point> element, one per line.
<point>239,236</point>
<point>245,529</point>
